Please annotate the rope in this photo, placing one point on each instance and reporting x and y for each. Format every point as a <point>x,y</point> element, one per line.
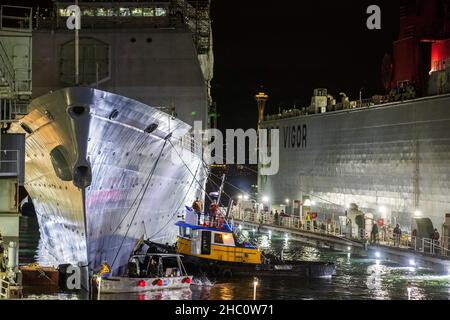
<point>178,208</point>
<point>140,201</point>
<point>135,199</point>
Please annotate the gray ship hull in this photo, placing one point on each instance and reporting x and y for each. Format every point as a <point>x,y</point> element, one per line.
<point>395,156</point>
<point>99,181</point>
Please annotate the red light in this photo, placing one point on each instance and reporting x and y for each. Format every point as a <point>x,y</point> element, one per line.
<point>142,283</point>
<point>159,283</point>
<point>187,280</point>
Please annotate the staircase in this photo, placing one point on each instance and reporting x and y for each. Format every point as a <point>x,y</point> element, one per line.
<point>15,62</point>
<point>197,16</point>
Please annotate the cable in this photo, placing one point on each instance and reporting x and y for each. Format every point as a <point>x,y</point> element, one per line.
<point>140,201</point>
<point>312,196</point>
<point>178,208</point>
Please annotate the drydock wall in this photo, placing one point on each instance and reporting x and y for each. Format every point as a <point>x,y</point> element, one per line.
<point>397,156</point>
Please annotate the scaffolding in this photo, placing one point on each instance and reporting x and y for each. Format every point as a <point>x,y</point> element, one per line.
<point>196,15</point>
<point>15,62</point>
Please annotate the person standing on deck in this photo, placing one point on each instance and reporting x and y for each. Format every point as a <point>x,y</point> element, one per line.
<point>308,221</point>
<point>374,233</point>
<point>213,209</point>
<point>435,237</point>
<point>397,235</point>
<point>197,206</point>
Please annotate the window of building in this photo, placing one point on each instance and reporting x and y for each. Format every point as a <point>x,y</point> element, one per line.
<point>93,61</point>
<point>88,12</point>
<point>64,13</point>
<point>102,12</point>
<point>160,12</point>
<point>148,12</point>
<point>136,12</point>
<point>112,12</point>
<point>218,238</point>
<point>124,12</point>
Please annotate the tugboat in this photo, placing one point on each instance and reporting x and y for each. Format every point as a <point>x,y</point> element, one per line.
<point>214,248</point>
<point>151,270</point>
<point>218,252</point>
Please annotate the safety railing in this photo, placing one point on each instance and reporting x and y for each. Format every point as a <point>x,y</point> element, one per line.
<point>430,246</point>
<point>291,222</point>
<point>4,289</point>
<point>404,241</point>
<point>16,18</point>
<point>6,69</point>
<point>9,162</point>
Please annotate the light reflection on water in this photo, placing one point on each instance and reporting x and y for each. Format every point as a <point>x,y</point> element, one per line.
<point>356,278</point>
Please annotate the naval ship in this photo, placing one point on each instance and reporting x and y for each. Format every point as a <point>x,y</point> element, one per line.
<point>110,156</point>
<point>389,155</point>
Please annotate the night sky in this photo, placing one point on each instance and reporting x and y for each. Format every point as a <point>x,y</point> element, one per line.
<point>292,47</point>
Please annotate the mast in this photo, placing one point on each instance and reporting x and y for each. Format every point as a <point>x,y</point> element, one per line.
<point>77,49</point>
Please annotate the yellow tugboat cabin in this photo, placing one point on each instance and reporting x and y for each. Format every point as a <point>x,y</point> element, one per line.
<point>217,244</point>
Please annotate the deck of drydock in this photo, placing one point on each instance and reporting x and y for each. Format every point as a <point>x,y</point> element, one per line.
<point>319,234</point>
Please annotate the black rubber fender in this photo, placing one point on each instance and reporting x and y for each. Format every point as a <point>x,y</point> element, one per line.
<point>227,274</point>
<point>215,270</point>
<point>203,268</point>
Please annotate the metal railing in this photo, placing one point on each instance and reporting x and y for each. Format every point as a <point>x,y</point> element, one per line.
<point>292,223</point>
<point>405,241</point>
<point>11,20</point>
<point>4,289</point>
<point>9,162</point>
<point>10,108</point>
<point>6,70</point>
<point>429,246</point>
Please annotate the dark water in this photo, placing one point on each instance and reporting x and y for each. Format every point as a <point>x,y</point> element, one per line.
<point>356,278</point>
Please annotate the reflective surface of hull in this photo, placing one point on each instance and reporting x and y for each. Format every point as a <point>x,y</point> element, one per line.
<point>137,182</point>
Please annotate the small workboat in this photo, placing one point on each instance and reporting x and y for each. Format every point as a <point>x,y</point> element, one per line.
<point>218,250</point>
<point>147,272</point>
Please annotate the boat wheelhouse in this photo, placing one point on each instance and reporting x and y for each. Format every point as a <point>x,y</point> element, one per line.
<point>215,243</point>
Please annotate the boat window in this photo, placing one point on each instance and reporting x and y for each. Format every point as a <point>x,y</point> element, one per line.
<point>206,242</point>
<point>60,163</point>
<point>185,232</point>
<point>218,238</point>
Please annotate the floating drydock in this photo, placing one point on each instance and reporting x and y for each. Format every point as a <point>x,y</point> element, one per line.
<point>387,155</point>
<point>390,155</point>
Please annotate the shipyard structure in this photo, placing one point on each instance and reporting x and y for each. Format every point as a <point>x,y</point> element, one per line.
<point>109,153</point>
<point>389,155</point>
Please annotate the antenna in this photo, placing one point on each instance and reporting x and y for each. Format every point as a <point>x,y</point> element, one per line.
<point>77,53</point>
